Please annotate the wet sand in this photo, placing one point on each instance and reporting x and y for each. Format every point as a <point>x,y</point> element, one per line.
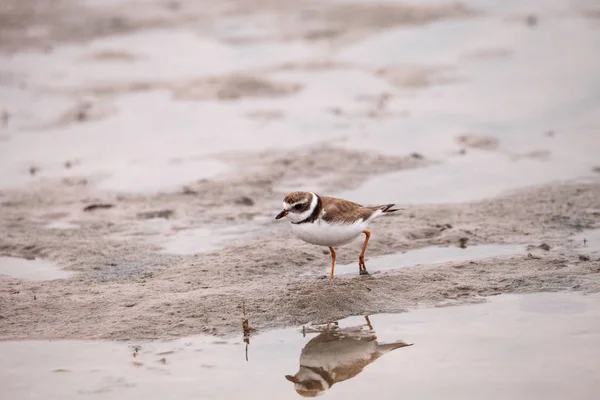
<point>188,122</point>
<point>515,346</point>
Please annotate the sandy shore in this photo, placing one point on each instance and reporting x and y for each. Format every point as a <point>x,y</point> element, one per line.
<point>209,156</point>
<point>126,288</point>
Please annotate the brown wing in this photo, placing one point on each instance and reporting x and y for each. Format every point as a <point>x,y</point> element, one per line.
<point>344,211</point>
<point>344,372</point>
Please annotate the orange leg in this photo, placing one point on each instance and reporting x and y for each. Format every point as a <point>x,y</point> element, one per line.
<point>373,336</point>
<point>332,262</point>
<point>362,268</point>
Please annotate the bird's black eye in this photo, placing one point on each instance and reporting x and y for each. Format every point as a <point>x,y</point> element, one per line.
<point>297,206</point>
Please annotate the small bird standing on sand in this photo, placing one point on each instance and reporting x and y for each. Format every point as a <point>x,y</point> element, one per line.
<point>331,222</point>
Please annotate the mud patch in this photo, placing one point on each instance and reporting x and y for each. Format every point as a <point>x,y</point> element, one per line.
<point>416,77</point>
<point>147,177</point>
<point>112,56</point>
<point>83,111</point>
<point>233,88</point>
<point>265,115</point>
<point>342,22</point>
<point>326,168</point>
<point>542,155</point>
<point>67,21</point>
<point>480,142</point>
<point>203,240</point>
<point>589,244</point>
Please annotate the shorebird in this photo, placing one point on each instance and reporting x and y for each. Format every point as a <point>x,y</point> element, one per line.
<point>336,355</point>
<point>331,222</point>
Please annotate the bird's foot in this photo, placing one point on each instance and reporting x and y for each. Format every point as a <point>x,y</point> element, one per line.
<point>362,268</point>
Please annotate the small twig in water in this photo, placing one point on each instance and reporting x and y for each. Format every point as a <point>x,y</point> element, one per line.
<point>246,328</point>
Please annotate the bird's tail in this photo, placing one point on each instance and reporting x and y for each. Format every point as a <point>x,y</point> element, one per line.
<point>384,348</point>
<point>384,210</point>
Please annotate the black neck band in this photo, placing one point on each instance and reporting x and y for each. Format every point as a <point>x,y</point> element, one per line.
<point>322,373</point>
<point>315,214</point>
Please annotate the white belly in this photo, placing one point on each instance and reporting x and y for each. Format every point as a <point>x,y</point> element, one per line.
<point>323,234</point>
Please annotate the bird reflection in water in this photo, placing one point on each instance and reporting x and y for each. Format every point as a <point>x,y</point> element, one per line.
<point>337,354</point>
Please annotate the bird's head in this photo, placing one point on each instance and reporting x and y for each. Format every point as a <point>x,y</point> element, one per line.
<point>298,206</point>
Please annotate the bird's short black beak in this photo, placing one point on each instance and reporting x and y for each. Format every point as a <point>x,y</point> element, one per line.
<point>281,214</point>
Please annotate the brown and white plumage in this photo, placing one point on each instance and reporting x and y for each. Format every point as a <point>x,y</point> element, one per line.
<point>329,221</point>
<point>336,355</point>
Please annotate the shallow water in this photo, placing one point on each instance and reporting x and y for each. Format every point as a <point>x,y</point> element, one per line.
<point>35,270</point>
<point>460,180</point>
<point>515,346</point>
<point>61,225</point>
<point>431,256</point>
<point>517,96</point>
<point>207,238</point>
<point>499,78</point>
